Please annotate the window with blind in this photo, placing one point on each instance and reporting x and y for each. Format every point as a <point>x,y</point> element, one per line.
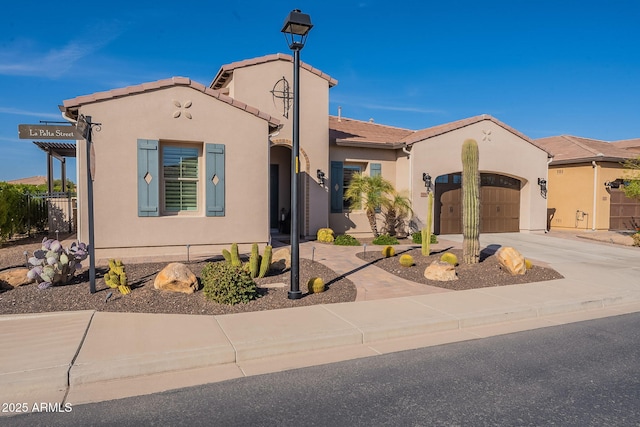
<point>180,172</point>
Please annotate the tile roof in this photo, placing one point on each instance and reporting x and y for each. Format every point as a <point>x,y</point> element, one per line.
<point>629,144</point>
<point>572,149</point>
<point>226,71</point>
<point>74,103</point>
<point>368,134</point>
<point>359,133</point>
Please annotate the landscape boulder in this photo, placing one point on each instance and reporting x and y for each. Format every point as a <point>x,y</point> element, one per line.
<point>511,260</point>
<point>441,271</point>
<point>14,278</point>
<point>281,260</point>
<point>176,277</point>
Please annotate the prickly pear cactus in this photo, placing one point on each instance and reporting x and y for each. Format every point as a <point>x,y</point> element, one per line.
<point>470,203</point>
<point>53,265</point>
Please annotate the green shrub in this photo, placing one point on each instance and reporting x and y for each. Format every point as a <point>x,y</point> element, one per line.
<point>528,264</point>
<point>346,240</point>
<point>636,239</point>
<point>228,284</point>
<point>325,235</point>
<point>406,260</point>
<point>388,251</point>
<point>450,258</point>
<point>385,239</point>
<point>417,238</point>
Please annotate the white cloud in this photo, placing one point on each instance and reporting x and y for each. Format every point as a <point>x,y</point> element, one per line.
<point>23,59</point>
<point>18,112</point>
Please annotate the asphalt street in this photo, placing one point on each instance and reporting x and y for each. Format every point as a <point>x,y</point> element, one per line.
<point>580,374</point>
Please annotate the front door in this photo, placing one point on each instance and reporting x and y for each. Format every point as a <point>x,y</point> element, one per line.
<point>274,185</point>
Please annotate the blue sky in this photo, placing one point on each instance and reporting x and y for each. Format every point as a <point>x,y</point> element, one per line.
<point>546,68</point>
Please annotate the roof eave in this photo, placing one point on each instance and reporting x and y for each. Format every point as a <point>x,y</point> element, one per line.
<point>370,144</point>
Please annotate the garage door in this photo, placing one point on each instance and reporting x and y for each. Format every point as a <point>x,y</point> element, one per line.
<point>500,204</point>
<point>624,212</point>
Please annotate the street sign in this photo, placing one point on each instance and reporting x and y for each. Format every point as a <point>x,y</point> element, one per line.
<point>48,132</point>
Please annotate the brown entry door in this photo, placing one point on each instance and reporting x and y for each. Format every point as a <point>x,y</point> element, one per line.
<point>499,205</point>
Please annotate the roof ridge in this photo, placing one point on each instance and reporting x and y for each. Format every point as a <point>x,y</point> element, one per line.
<point>576,141</point>
<point>370,123</point>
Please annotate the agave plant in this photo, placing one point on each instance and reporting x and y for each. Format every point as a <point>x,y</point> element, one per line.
<point>53,265</point>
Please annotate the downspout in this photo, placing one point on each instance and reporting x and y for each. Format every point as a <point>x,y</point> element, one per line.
<point>595,187</point>
<point>408,153</point>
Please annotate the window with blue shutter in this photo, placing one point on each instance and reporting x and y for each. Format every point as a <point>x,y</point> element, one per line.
<point>336,178</point>
<point>148,178</point>
<point>214,180</point>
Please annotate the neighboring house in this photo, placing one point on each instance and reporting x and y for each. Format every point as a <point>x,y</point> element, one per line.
<point>584,185</point>
<point>177,164</point>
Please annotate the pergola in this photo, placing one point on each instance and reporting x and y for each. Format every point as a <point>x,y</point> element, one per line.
<point>59,150</point>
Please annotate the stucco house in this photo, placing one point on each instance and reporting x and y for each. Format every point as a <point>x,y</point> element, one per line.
<point>584,183</point>
<point>178,163</point>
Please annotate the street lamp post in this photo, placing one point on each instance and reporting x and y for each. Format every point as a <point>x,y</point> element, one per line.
<point>296,28</point>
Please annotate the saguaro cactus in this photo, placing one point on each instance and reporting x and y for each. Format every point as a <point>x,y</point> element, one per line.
<point>470,203</point>
<point>426,230</point>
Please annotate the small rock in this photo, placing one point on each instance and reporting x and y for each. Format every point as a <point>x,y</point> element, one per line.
<point>176,277</point>
<point>511,260</point>
<point>14,278</point>
<point>281,260</point>
<point>440,271</point>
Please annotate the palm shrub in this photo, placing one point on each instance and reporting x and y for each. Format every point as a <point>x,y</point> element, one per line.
<point>395,212</point>
<point>369,193</point>
<point>228,284</point>
<point>470,203</point>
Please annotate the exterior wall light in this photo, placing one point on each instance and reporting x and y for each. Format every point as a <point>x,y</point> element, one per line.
<point>427,180</point>
<point>543,187</point>
<point>320,176</point>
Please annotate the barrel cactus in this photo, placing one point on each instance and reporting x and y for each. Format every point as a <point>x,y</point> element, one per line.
<point>450,258</point>
<point>470,202</point>
<point>53,265</point>
<point>406,260</point>
<point>388,251</point>
<point>315,285</point>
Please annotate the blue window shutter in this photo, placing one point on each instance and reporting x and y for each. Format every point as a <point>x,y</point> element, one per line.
<point>148,178</point>
<point>337,180</point>
<point>375,169</point>
<point>214,169</point>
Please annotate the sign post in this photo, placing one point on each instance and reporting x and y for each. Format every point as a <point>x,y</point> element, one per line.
<point>82,130</point>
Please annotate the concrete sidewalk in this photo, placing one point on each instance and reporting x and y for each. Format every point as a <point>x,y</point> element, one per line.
<point>80,357</point>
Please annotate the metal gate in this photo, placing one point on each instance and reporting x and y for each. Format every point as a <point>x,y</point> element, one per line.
<point>624,213</point>
<point>60,210</point>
